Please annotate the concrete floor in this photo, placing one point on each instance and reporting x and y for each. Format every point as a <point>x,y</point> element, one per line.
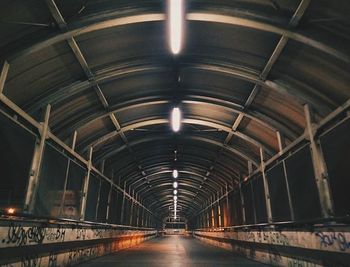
<point>172,251</point>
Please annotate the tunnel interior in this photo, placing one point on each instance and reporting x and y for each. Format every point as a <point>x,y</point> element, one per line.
<point>87,95</point>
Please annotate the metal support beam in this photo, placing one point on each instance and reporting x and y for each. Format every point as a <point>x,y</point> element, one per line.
<point>242,200</point>
<point>56,14</point>
<point>281,142</point>
<point>228,212</point>
<point>109,201</point>
<point>100,21</point>
<point>319,165</point>
<point>122,207</point>
<point>142,219</point>
<point>74,139</point>
<point>3,75</point>
<point>273,58</point>
<point>313,128</point>
<point>292,216</point>
<point>98,200</point>
<point>266,188</point>
<point>33,181</point>
<point>250,167</point>
<point>21,113</point>
<point>132,209</point>
<point>102,167</point>
<point>86,187</point>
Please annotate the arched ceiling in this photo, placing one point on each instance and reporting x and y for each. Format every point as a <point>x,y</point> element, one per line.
<point>244,74</point>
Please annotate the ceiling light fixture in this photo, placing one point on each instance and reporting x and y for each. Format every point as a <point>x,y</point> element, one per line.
<point>175,192</point>
<point>175,24</point>
<point>176,119</point>
<point>175,174</point>
<point>175,184</point>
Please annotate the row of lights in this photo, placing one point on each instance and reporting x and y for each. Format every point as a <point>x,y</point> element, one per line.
<point>175,186</point>
<point>176,20</point>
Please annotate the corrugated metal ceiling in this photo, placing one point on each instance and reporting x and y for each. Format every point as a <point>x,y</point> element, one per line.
<point>235,90</point>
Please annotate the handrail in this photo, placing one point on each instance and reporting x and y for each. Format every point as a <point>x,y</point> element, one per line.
<point>49,220</point>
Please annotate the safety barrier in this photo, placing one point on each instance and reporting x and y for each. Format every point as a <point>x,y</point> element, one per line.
<point>309,247</point>
<point>63,242</point>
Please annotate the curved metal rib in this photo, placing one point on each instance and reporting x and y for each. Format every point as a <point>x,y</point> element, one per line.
<point>84,28</point>
<point>194,138</point>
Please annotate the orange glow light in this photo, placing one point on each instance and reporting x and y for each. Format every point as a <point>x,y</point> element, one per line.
<point>11,211</point>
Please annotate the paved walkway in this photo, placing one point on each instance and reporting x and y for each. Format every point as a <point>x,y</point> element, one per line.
<point>172,251</point>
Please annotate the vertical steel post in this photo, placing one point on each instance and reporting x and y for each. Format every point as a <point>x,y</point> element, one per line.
<point>228,212</point>
<point>74,138</point>
<point>250,167</point>
<point>266,187</point>
<point>212,217</point>
<point>281,142</point>
<point>138,211</point>
<point>33,183</point>
<point>204,220</point>
<point>98,199</point>
<point>109,200</point>
<point>122,208</point>
<point>132,208</point>
<point>288,192</point>
<point>219,210</point>
<point>242,199</point>
<point>102,166</point>
<point>146,219</point>
<point>143,217</point>
<point>86,186</point>
<point>108,208</point>
<point>319,165</point>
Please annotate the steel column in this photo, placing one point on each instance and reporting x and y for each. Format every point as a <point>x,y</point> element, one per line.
<point>288,192</point>
<point>281,142</point>
<point>98,199</point>
<point>319,165</point>
<point>86,186</point>
<point>242,199</point>
<point>228,211</point>
<point>74,139</point>
<point>56,14</point>
<point>266,187</point>
<point>33,181</point>
<point>12,106</point>
<point>132,209</point>
<point>109,203</point>
<point>250,167</point>
<point>122,208</point>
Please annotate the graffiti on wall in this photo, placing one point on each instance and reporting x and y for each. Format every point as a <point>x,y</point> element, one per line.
<point>333,239</point>
<point>20,236</point>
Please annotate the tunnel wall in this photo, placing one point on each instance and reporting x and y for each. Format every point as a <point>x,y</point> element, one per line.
<point>287,189</point>
<point>293,210</point>
<point>50,243</point>
<point>321,246</point>
<point>44,177</point>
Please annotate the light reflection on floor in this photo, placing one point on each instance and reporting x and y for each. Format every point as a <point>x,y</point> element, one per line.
<point>172,251</point>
